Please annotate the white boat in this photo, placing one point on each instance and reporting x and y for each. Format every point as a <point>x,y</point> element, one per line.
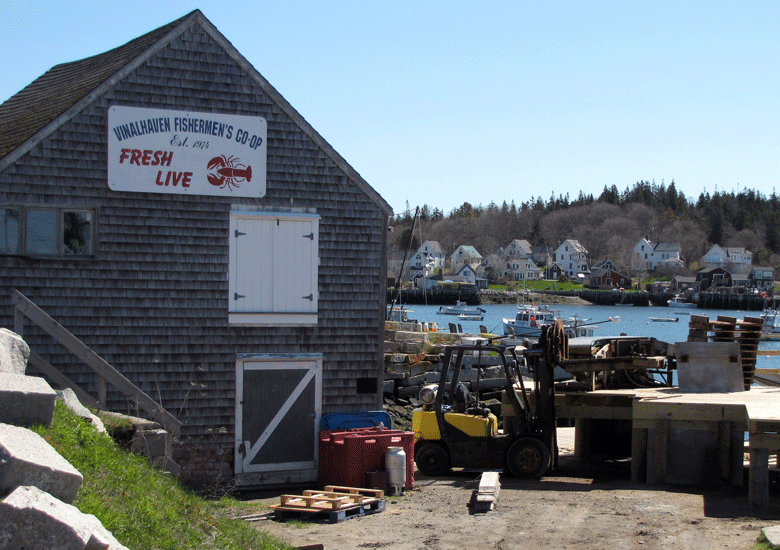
<point>679,301</point>
<point>664,319</point>
<point>465,317</point>
<point>771,328</point>
<point>529,321</point>
<point>460,308</point>
<point>578,328</point>
<point>399,314</point>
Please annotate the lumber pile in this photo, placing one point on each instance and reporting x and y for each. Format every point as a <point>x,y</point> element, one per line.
<point>745,332</point>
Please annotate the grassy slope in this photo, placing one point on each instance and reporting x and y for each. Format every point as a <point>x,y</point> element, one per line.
<point>143,507</point>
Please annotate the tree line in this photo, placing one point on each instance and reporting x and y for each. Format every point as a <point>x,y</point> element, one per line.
<point>609,225</point>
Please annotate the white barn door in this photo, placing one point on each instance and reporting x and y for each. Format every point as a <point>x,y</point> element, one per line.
<point>278,410</point>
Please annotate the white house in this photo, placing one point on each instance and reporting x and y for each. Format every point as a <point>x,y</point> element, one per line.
<point>735,259</point>
<point>434,251</point>
<point>522,269</point>
<point>421,263</point>
<point>573,258</point>
<point>464,255</point>
<point>647,255</point>
<point>518,248</point>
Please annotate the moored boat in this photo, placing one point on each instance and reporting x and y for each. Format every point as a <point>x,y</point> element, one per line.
<point>771,328</point>
<point>679,301</point>
<point>460,308</point>
<point>664,319</point>
<point>470,317</point>
<point>529,320</point>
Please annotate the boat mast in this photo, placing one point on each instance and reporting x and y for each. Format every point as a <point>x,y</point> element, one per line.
<point>397,292</point>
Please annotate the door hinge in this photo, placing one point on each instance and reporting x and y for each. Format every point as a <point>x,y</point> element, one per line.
<point>239,233</point>
<point>310,297</point>
<point>309,236</point>
<point>236,296</point>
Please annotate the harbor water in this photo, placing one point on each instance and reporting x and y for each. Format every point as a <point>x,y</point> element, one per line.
<point>631,321</point>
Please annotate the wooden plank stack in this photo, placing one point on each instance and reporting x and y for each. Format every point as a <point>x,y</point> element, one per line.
<point>745,332</point>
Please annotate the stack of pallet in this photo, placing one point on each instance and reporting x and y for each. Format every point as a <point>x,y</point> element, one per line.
<point>745,332</point>
<point>333,504</point>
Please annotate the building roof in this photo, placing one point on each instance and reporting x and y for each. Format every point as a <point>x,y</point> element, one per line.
<point>666,247</point>
<point>469,251</point>
<point>52,99</point>
<point>434,246</point>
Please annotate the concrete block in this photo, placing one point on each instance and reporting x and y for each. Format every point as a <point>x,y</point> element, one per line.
<point>392,347</point>
<point>68,397</point>
<point>31,518</point>
<point>487,384</point>
<point>150,443</point>
<point>403,336</point>
<point>412,347</point>
<point>409,391</point>
<point>27,459</point>
<point>709,367</point>
<point>26,400</point>
<point>413,380</point>
<point>485,360</point>
<point>432,377</point>
<point>389,386</point>
<point>14,352</point>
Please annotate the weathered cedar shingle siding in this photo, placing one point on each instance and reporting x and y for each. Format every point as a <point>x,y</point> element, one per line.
<point>154,299</point>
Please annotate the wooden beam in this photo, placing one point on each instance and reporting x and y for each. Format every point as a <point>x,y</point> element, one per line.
<point>95,362</point>
<point>61,380</point>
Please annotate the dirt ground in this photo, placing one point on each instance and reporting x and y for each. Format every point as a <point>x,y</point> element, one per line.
<point>586,504</point>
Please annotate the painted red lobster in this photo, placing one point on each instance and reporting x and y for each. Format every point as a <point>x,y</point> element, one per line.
<point>229,172</point>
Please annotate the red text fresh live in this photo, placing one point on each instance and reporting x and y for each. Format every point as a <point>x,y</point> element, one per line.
<point>156,158</point>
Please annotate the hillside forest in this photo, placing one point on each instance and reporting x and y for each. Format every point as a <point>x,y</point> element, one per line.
<point>609,225</point>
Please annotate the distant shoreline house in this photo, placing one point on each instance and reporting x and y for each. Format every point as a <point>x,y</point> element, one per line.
<point>735,259</point>
<point>573,258</point>
<point>648,256</point>
<point>464,255</point>
<point>606,275</point>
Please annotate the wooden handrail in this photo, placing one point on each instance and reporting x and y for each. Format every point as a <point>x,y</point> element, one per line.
<point>26,308</point>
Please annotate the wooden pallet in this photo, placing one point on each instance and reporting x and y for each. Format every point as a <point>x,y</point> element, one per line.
<point>332,505</point>
<point>746,333</point>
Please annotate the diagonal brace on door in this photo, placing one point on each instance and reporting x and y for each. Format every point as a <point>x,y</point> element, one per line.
<point>277,419</point>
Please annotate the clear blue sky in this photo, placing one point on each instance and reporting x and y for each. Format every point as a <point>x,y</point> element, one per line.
<point>447,102</point>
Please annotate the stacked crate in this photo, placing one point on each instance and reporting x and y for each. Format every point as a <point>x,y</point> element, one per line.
<point>745,332</point>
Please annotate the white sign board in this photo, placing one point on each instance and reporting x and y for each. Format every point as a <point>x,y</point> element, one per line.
<point>161,151</point>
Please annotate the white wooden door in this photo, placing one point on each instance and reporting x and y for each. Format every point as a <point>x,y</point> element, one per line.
<point>278,410</point>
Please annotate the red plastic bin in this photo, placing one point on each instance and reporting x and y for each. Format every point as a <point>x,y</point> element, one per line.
<point>346,456</point>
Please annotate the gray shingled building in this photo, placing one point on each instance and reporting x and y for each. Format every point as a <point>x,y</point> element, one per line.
<point>165,204</point>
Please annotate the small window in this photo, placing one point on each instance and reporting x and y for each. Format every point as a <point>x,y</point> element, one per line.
<point>37,231</point>
<point>9,231</point>
<point>41,232</point>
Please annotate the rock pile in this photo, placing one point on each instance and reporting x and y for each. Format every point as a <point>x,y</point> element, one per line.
<point>37,485</point>
<point>413,360</point>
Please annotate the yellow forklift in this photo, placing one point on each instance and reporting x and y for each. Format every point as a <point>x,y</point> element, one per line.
<point>453,430</point>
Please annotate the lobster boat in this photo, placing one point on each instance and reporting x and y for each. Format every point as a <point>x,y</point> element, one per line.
<point>529,320</point>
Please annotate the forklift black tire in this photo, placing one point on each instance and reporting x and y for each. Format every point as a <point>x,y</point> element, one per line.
<point>432,459</point>
<point>528,457</point>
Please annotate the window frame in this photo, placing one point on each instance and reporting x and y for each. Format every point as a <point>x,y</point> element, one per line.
<point>23,245</point>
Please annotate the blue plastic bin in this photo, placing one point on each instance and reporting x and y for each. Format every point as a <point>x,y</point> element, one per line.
<point>359,419</point>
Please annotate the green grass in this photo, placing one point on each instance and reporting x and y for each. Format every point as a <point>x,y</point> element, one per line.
<point>539,285</point>
<point>143,507</point>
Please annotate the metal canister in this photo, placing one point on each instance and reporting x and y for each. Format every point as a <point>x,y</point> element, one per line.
<point>395,464</point>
